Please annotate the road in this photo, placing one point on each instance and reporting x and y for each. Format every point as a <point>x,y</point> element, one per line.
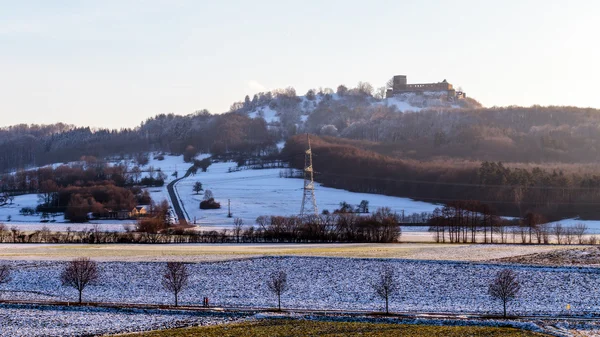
<point>175,200</point>
<point>545,321</point>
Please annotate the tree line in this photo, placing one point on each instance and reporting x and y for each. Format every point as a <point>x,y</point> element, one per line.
<point>510,190</point>
<point>25,146</point>
<point>380,226</point>
<point>473,222</point>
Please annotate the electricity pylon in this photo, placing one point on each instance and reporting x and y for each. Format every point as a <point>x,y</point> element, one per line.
<point>309,203</point>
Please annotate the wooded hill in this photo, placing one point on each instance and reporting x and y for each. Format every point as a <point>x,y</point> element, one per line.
<point>511,190</point>
<point>513,158</point>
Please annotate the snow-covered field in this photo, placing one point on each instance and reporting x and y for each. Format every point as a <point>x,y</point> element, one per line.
<point>263,192</point>
<point>325,283</point>
<point>252,193</point>
<point>25,321</point>
<point>56,223</point>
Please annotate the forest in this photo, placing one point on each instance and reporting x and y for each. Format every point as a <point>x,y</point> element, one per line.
<point>24,146</point>
<point>512,190</point>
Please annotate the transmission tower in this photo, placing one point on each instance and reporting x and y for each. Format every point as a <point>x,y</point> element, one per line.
<point>309,203</point>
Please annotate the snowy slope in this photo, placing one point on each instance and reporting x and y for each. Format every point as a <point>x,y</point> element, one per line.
<point>262,192</point>
<point>406,102</point>
<point>418,101</point>
<point>269,115</point>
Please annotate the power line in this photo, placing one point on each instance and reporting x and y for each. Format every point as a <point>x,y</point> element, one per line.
<point>543,187</point>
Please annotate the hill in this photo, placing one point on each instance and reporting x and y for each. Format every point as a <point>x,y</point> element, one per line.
<point>537,158</point>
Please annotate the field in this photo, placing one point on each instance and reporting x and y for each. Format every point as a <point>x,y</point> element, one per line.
<point>322,284</point>
<point>231,276</point>
<point>220,252</point>
<point>281,328</point>
<point>45,321</point>
<point>263,192</point>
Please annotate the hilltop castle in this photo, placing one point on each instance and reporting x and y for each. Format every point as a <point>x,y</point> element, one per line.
<point>400,86</point>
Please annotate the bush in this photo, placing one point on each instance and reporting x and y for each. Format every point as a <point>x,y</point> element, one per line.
<point>27,211</point>
<point>210,204</point>
<point>202,164</point>
<point>155,182</point>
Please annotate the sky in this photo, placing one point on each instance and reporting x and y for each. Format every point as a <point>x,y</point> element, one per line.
<point>115,63</point>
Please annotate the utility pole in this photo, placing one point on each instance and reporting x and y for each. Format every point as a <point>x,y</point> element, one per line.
<point>229,215</point>
<point>309,203</point>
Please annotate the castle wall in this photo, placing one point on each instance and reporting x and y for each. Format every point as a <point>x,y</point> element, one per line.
<point>400,86</point>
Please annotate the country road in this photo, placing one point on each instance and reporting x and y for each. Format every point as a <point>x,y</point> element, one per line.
<point>175,200</point>
<point>333,312</point>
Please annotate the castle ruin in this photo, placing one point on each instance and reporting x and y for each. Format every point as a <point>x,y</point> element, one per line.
<point>400,86</point>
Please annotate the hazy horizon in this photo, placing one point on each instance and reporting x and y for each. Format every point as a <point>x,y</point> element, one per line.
<point>114,63</point>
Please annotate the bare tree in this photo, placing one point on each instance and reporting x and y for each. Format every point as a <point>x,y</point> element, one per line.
<point>559,232</point>
<point>569,235</point>
<point>277,284</point>
<point>580,230</point>
<point>237,228</point>
<point>386,285</point>
<point>505,287</point>
<point>5,274</point>
<point>175,278</point>
<point>208,194</point>
<point>80,273</point>
<point>390,83</point>
<point>380,93</point>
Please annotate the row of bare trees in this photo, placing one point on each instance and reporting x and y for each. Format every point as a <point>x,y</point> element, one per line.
<point>504,287</point>
<point>380,226</point>
<point>81,272</point>
<point>469,222</point>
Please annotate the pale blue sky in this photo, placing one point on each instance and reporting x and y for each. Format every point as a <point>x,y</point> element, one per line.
<point>114,63</point>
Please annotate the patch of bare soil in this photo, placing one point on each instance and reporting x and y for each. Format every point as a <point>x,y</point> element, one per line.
<point>589,256</point>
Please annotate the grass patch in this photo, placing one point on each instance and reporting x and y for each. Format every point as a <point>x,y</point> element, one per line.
<point>285,328</point>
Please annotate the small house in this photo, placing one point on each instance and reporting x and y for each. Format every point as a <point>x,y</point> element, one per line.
<point>139,211</point>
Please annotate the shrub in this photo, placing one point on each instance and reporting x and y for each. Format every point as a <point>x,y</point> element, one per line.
<point>210,204</point>
<point>27,211</point>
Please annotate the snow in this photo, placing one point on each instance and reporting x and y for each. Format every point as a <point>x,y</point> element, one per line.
<point>593,226</point>
<point>33,222</point>
<point>168,166</point>
<point>20,201</point>
<point>324,283</point>
<point>263,192</point>
<point>400,104</point>
<point>269,115</point>
<point>25,321</point>
<point>411,101</point>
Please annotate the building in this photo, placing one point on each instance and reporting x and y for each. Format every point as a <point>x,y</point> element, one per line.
<point>400,86</point>
<point>139,211</point>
